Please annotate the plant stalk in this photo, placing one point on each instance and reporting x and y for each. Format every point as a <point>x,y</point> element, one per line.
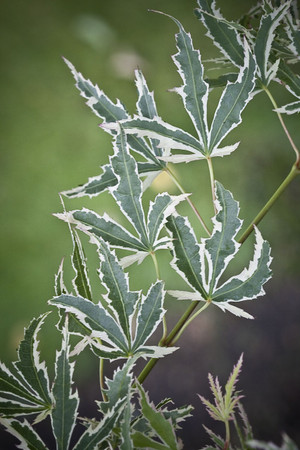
<point>168,340</point>
<point>212,181</point>
<point>292,174</point>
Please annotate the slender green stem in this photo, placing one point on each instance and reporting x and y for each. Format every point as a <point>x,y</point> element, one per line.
<point>212,181</point>
<point>186,324</point>
<point>284,127</point>
<point>293,173</point>
<point>101,377</point>
<point>154,259</point>
<point>176,181</point>
<point>168,341</point>
<point>239,433</point>
<point>227,439</point>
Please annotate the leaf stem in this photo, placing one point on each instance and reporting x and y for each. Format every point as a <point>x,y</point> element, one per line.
<point>101,377</point>
<point>186,324</point>
<point>227,441</point>
<point>212,181</point>
<point>176,181</point>
<point>292,174</point>
<point>171,338</point>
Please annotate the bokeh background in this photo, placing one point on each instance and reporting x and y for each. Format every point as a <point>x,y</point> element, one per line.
<point>50,141</point>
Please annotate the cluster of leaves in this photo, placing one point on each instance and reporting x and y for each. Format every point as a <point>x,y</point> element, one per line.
<point>120,324</point>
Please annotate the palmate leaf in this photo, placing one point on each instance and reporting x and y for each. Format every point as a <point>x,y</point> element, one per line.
<point>202,265</point>
<point>64,412</point>
<point>110,328</point>
<point>268,24</point>
<point>25,390</point>
<point>128,195</point>
<point>194,93</point>
<point>109,111</point>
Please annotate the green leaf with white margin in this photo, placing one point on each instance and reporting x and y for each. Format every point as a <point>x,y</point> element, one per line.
<point>59,284</point>
<point>27,390</point>
<point>113,325</point>
<point>102,227</point>
<point>202,265</point>
<point>160,425</point>
<point>194,91</point>
<point>159,210</point>
<point>187,254</point>
<point>248,284</point>
<point>128,192</point>
<point>146,106</point>
<point>287,78</point>
<point>264,39</point>
<point>223,33</point>
<point>97,319</point>
<point>109,111</point>
<point>233,101</point>
<point>118,295</point>
<point>29,366</point>
<point>150,315</point>
<point>119,387</point>
<point>24,432</point>
<point>81,282</point>
<point>221,247</point>
<point>94,436</point>
<point>64,413</point>
<point>290,108</point>
<point>169,137</point>
<point>99,103</point>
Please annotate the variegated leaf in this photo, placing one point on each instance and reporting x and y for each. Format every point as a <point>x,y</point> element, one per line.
<point>186,253</point>
<point>25,390</point>
<point>223,33</point>
<point>202,265</point>
<point>162,207</point>
<point>194,91</point>
<point>99,103</point>
<point>95,185</point>
<point>59,284</point>
<point>233,101</point>
<point>93,436</point>
<point>249,283</point>
<point>263,43</point>
<point>96,318</point>
<point>34,372</point>
<point>64,413</point>
<point>104,227</point>
<point>24,432</point>
<point>81,282</point>
<point>162,427</point>
<point>118,295</point>
<point>290,108</point>
<point>146,106</point>
<point>287,78</point>
<point>128,192</point>
<point>150,315</point>
<point>117,388</point>
<point>221,247</point>
<point>170,137</point>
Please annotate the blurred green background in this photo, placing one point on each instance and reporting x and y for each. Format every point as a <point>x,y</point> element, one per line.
<point>50,141</point>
